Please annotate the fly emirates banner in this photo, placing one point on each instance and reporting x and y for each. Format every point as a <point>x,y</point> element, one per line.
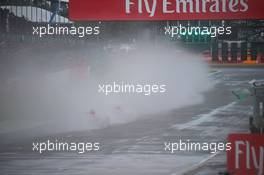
<point>165,9</point>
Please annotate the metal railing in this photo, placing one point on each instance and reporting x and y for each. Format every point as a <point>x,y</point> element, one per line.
<point>38,10</point>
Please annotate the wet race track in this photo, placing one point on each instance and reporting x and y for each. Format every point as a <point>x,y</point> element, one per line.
<point>138,147</point>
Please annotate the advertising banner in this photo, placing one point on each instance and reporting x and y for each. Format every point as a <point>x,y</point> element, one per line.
<point>165,9</point>
<point>247,154</point>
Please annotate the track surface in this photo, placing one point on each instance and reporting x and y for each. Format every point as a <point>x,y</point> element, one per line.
<point>138,147</point>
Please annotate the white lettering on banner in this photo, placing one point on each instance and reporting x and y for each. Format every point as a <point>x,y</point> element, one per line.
<point>149,7</point>
<point>250,156</point>
<point>186,6</point>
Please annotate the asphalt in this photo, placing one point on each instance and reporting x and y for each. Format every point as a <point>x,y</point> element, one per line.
<point>137,147</point>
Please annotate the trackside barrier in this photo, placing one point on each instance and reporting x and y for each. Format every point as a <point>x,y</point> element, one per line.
<point>237,52</point>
